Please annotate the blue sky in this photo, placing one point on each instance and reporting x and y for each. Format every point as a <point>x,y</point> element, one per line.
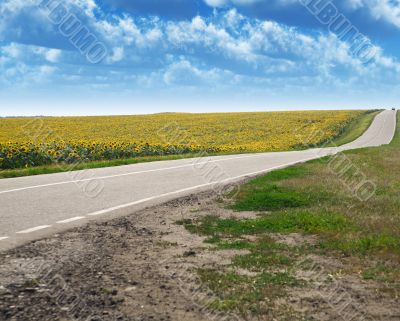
<point>195,56</point>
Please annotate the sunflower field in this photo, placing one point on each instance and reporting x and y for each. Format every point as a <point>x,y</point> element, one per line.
<point>29,142</point>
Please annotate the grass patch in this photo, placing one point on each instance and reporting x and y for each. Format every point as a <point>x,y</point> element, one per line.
<point>247,295</point>
<point>264,253</point>
<point>277,222</point>
<point>382,273</point>
<point>268,193</point>
<point>271,197</point>
<point>230,245</point>
<point>365,244</point>
<point>279,175</point>
<point>257,261</point>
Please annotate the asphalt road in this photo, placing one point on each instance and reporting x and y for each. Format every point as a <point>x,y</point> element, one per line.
<point>38,206</point>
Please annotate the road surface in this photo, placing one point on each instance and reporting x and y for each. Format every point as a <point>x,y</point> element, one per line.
<point>38,206</point>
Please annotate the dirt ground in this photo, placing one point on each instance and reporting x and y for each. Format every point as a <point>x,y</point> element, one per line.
<point>143,267</point>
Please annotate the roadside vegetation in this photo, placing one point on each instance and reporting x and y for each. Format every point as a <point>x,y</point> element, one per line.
<point>355,129</point>
<point>307,215</point>
<point>68,148</point>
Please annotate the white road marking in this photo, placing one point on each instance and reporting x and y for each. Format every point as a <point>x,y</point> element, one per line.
<point>231,179</point>
<point>73,219</point>
<point>34,229</point>
<point>108,210</point>
<point>127,174</point>
<point>3,238</point>
<point>111,209</point>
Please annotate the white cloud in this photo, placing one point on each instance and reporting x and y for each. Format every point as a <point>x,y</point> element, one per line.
<point>15,5</point>
<point>183,73</point>
<point>88,5</point>
<point>47,70</point>
<point>245,46</point>
<point>118,54</point>
<point>53,55</point>
<point>387,10</point>
<point>19,52</point>
<point>224,49</point>
<point>12,51</point>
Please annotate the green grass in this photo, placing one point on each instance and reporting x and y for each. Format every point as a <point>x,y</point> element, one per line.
<point>365,244</point>
<point>264,252</point>
<point>267,194</point>
<point>277,222</point>
<point>381,272</point>
<point>246,294</point>
<point>257,261</point>
<point>230,244</point>
<point>272,197</point>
